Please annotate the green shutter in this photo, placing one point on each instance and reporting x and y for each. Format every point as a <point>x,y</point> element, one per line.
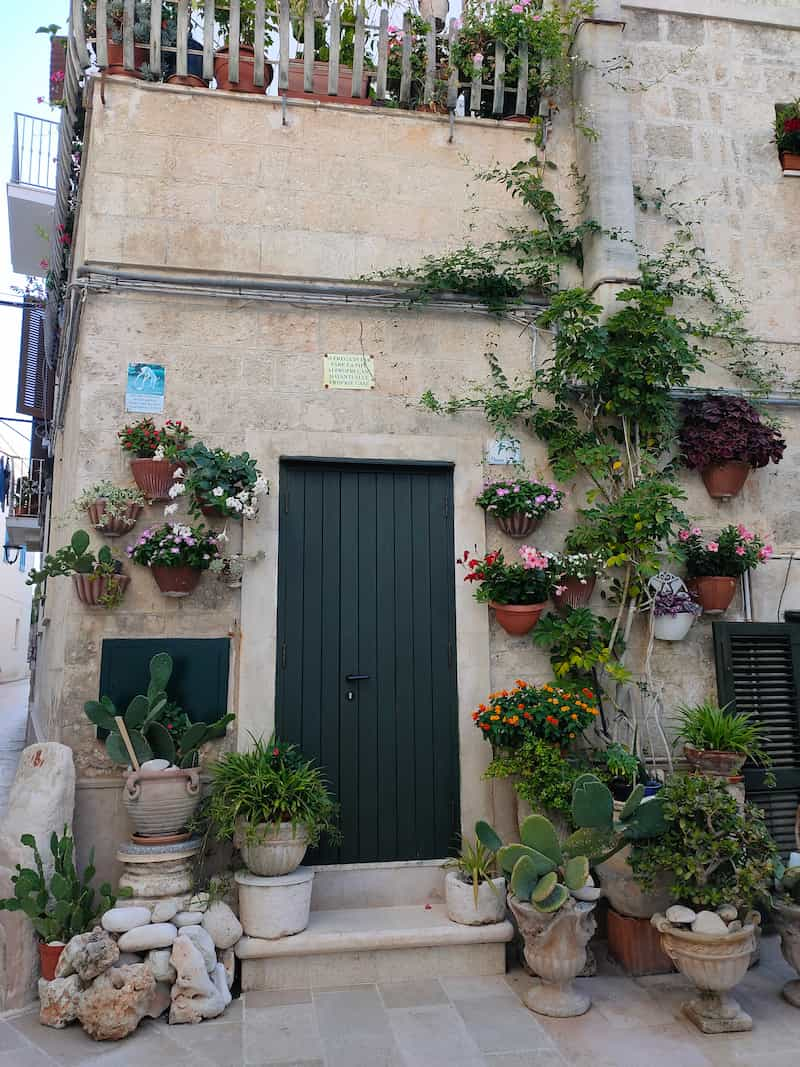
<point>199,681</point>
<point>758,671</point>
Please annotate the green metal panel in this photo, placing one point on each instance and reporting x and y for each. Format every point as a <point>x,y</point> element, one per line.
<point>366,586</point>
<point>199,680</point>
<point>758,671</point>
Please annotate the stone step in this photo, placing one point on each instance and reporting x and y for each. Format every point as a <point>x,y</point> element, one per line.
<point>377,885</point>
<point>352,946</point>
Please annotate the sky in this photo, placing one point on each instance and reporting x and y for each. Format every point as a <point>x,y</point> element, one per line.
<point>24,72</point>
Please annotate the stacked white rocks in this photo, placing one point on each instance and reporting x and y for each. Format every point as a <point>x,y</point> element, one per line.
<point>722,921</point>
<point>141,961</point>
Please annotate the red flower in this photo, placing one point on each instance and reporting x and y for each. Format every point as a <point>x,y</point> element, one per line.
<point>276,752</point>
<point>791,125</point>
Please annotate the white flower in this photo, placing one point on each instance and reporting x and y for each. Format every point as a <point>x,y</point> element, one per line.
<point>243,494</point>
<point>222,535</point>
<point>159,452</point>
<point>218,491</point>
<point>249,513</point>
<point>231,502</point>
<point>261,486</point>
<point>178,473</point>
<point>177,489</point>
<point>170,509</point>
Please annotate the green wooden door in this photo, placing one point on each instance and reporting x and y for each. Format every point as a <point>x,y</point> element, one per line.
<point>366,590</point>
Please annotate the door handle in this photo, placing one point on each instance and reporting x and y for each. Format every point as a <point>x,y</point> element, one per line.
<point>356,677</point>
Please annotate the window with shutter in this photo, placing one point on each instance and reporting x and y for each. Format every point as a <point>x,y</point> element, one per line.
<point>36,379</point>
<point>758,671</point>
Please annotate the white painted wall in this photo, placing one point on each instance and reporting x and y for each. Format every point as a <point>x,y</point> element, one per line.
<point>15,595</point>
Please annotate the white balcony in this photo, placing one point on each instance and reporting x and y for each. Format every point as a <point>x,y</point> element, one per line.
<point>31,193</point>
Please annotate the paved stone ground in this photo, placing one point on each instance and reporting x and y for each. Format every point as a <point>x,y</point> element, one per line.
<point>463,1022</point>
<point>13,717</point>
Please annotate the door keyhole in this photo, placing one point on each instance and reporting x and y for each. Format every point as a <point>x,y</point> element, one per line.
<point>351,695</point>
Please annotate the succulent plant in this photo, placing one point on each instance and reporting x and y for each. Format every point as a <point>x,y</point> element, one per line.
<point>64,905</point>
<point>599,834</point>
<point>787,881</point>
<point>147,733</point>
<point>537,869</point>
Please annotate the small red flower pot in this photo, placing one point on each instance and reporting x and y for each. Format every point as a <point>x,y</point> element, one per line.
<point>91,590</point>
<point>154,477</point>
<point>575,593</point>
<point>790,160</point>
<point>725,480</point>
<point>176,581</point>
<point>713,761</point>
<point>247,61</point>
<point>116,59</point>
<point>113,526</point>
<point>48,959</point>
<point>517,619</point>
<point>517,524</point>
<point>714,593</point>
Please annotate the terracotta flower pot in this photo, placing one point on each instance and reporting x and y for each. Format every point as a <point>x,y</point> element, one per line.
<point>575,593</point>
<point>672,627</point>
<point>246,67</point>
<point>517,524</point>
<point>297,79</point>
<point>192,80</point>
<point>90,590</point>
<point>154,476</point>
<point>116,59</point>
<point>176,581</point>
<point>276,849</point>
<point>714,593</point>
<point>724,480</point>
<point>710,761</point>
<point>113,525</point>
<point>517,619</point>
<point>161,802</point>
<point>48,959</point>
<point>790,160</point>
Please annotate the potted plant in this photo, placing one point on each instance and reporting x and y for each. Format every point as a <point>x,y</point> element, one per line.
<point>717,740</point>
<point>321,49</point>
<point>154,454</point>
<point>545,711</point>
<point>519,504</point>
<point>713,566</point>
<point>96,579</point>
<point>787,135</point>
<point>160,800</point>
<point>113,510</point>
<point>27,497</point>
<point>620,767</point>
<point>245,84</point>
<point>474,894</point>
<point>218,483</point>
<point>552,897</point>
<point>724,437</point>
<point>59,904</point>
<point>674,612</point>
<point>785,904</point>
<point>176,555</point>
<point>721,861</point>
<point>517,592</point>
<point>114,29</point>
<point>576,576</point>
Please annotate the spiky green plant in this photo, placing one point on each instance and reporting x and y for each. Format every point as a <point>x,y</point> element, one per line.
<point>475,863</point>
<point>718,729</point>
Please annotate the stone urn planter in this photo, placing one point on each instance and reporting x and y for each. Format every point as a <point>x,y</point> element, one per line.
<point>161,802</point>
<point>176,581</point>
<point>715,963</point>
<point>713,593</point>
<point>275,849</point>
<point>113,525</point>
<point>154,476</point>
<point>574,593</point>
<point>555,949</point>
<point>517,619</point>
<point>724,480</point>
<point>517,524</point>
<point>710,761</point>
<point>787,919</point>
<point>624,894</point>
<point>274,907</point>
<point>93,589</point>
<point>672,627</point>
<point>462,907</point>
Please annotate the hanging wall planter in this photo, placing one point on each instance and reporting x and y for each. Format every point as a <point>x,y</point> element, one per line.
<point>113,525</point>
<point>100,590</point>
<point>177,555</point>
<point>725,480</point>
<point>575,593</point>
<point>517,524</point>
<point>715,594</point>
<point>519,504</point>
<point>672,627</point>
<point>154,477</point>
<point>176,581</point>
<point>517,619</point>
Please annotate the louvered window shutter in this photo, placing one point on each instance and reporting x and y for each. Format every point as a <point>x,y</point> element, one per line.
<point>758,670</point>
<point>35,385</point>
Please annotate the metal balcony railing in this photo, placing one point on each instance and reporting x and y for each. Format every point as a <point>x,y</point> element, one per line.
<point>35,150</point>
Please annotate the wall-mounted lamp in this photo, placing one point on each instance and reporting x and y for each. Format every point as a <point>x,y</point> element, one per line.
<point>11,553</point>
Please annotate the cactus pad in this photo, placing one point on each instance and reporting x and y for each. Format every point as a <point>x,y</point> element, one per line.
<point>557,899</point>
<point>538,833</point>
<point>488,837</point>
<point>576,872</point>
<point>507,858</point>
<point>524,878</point>
<point>545,887</point>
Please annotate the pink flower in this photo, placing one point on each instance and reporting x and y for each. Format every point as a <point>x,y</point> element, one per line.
<point>477,59</point>
<point>540,499</point>
<point>44,264</point>
<point>696,531</point>
<point>740,550</point>
<point>394,29</point>
<point>766,552</point>
<point>712,546</point>
<point>532,559</point>
<point>503,492</point>
<point>517,9</point>
<point>39,99</point>
<point>744,533</point>
<point>536,18</point>
<point>684,535</point>
<point>515,488</point>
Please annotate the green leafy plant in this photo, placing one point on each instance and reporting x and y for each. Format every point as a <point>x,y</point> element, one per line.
<point>117,498</point>
<point>542,774</point>
<point>709,727</point>
<point>529,582</point>
<point>215,478</point>
<point>156,727</point>
<point>474,864</point>
<point>787,881</point>
<point>787,127</point>
<point>270,783</point>
<point>715,853</point>
<point>145,441</point>
<point>622,767</point>
<point>175,545</point>
<point>511,496</point>
<point>599,834</point>
<point>579,641</point>
<point>734,551</point>
<point>75,558</point>
<point>63,904</point>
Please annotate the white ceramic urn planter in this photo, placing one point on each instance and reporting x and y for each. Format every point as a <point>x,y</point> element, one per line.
<point>672,627</point>
<point>715,963</point>
<point>787,919</point>
<point>274,907</point>
<point>273,849</point>
<point>461,904</point>
<point>555,949</point>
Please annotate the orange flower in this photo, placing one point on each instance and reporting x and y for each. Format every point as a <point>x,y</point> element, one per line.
<point>587,693</point>
<point>519,683</point>
<point>552,719</point>
<point>574,717</point>
<point>475,715</point>
<point>495,718</point>
<point>520,707</point>
<point>593,711</point>
<point>485,726</point>
<point>504,693</point>
<point>481,707</point>
<point>526,715</point>
<point>565,707</point>
<point>497,709</point>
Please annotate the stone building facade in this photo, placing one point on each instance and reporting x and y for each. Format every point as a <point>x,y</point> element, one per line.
<point>184,193</point>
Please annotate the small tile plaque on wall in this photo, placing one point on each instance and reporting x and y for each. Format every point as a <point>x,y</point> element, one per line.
<point>348,370</point>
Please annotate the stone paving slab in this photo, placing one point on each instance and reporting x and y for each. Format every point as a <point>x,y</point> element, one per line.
<point>463,1022</point>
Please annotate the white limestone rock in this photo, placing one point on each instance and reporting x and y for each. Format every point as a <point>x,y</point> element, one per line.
<point>164,911</point>
<point>203,943</point>
<point>156,765</point>
<point>58,1001</point>
<point>116,1002</point>
<point>188,918</point>
<point>143,938</point>
<point>223,926</point>
<point>120,920</point>
<point>129,957</point>
<point>199,902</point>
<point>88,955</point>
<point>680,915</point>
<point>728,913</point>
<point>227,957</point>
<point>158,959</point>
<point>708,922</point>
<point>195,995</point>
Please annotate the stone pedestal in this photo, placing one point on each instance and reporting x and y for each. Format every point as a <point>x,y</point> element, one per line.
<point>276,907</point>
<point>158,873</point>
